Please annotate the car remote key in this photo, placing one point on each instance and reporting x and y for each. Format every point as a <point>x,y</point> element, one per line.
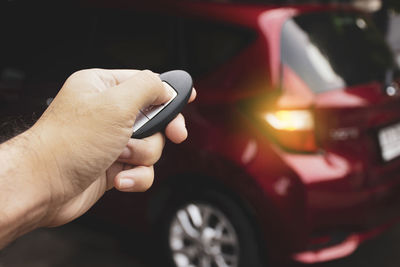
<point>153,119</point>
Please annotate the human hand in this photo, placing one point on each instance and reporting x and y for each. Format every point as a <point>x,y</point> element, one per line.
<point>83,139</point>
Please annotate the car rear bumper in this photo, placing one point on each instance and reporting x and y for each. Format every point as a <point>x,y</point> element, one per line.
<point>342,249</point>
<point>339,199</point>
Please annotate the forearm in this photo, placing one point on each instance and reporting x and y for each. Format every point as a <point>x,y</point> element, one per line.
<point>24,198</point>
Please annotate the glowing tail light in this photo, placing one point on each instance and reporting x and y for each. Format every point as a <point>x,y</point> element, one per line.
<point>293,129</point>
<point>290,120</point>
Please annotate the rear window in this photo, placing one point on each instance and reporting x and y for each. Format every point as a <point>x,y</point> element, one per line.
<point>334,50</point>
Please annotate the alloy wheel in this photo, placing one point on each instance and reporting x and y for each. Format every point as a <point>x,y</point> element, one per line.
<point>200,235</point>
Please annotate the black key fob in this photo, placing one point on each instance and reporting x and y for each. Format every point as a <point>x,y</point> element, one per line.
<point>153,119</point>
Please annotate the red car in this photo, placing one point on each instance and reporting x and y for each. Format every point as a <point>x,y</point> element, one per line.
<point>294,144</point>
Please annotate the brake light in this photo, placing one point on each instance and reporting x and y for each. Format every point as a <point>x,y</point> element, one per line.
<point>293,129</point>
<point>290,120</point>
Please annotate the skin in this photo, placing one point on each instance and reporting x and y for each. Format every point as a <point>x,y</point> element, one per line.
<point>81,147</point>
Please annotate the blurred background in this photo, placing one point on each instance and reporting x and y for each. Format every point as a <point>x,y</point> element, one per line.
<point>294,139</point>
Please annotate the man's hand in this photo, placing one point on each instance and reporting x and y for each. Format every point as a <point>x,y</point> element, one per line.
<point>81,145</point>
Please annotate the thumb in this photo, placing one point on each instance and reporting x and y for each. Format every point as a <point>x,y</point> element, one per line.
<point>141,90</point>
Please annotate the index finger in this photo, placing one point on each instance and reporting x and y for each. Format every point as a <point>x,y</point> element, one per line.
<point>121,75</point>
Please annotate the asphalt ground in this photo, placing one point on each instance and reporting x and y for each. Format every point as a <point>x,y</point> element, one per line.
<point>80,244</point>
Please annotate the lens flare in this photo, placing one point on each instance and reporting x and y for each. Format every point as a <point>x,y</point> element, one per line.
<point>290,120</point>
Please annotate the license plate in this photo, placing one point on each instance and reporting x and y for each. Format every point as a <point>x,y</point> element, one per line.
<point>389,141</point>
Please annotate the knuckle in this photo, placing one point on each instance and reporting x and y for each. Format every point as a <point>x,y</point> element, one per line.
<point>148,73</point>
<point>151,78</point>
<point>76,75</point>
<point>150,154</point>
<point>85,72</point>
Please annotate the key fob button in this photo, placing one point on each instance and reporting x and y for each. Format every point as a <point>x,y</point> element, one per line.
<point>141,120</point>
<point>155,118</point>
<point>152,111</point>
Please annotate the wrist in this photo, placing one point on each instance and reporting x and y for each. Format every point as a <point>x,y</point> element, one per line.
<point>25,203</point>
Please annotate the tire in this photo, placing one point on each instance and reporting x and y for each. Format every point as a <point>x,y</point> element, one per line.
<point>208,229</point>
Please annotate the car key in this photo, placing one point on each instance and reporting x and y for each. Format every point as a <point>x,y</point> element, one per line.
<point>153,119</point>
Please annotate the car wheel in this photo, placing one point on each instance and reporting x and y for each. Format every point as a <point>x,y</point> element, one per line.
<point>210,231</point>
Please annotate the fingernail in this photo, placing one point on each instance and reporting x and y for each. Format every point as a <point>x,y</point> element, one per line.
<point>125,183</point>
<point>126,153</point>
